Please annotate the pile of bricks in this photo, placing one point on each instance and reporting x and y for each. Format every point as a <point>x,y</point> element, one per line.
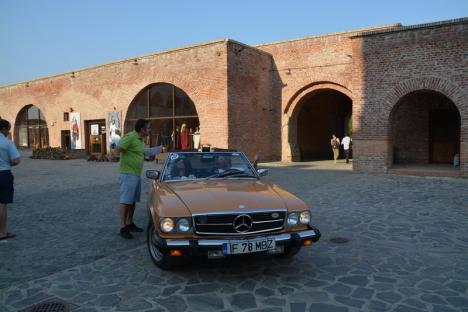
<point>49,153</point>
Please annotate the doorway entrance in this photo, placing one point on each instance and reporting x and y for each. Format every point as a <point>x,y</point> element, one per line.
<point>320,114</point>
<point>95,136</point>
<point>425,129</point>
<point>66,139</point>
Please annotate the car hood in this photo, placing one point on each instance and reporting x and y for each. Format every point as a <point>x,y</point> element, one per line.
<point>226,195</point>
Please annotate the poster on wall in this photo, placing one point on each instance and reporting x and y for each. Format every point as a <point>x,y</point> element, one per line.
<point>75,130</point>
<point>114,130</point>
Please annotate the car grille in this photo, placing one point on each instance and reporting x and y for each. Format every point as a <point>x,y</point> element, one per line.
<point>223,224</point>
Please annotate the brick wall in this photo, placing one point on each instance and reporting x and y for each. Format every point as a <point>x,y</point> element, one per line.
<point>253,119</point>
<point>396,63</point>
<point>249,98</point>
<point>200,71</point>
<point>303,67</point>
<point>410,133</point>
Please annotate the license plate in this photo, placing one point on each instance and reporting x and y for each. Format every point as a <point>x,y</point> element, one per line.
<point>247,246</point>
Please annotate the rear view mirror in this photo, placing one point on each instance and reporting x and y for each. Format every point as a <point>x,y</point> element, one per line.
<point>152,174</point>
<point>262,172</point>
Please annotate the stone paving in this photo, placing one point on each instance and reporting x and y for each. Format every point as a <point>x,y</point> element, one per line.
<point>407,249</point>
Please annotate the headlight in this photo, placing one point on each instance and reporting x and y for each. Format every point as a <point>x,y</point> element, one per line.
<point>293,218</point>
<point>304,217</point>
<point>183,225</point>
<point>166,225</point>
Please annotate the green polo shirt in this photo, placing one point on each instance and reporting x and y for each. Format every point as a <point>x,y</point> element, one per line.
<point>133,156</point>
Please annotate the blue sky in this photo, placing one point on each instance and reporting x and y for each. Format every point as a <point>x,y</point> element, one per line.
<point>46,37</point>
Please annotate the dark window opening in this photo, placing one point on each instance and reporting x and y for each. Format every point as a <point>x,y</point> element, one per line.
<point>425,128</point>
<point>31,128</point>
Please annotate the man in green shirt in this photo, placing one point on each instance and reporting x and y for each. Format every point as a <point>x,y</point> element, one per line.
<point>132,149</point>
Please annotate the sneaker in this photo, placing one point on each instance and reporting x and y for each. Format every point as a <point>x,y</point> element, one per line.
<point>133,228</point>
<point>125,233</point>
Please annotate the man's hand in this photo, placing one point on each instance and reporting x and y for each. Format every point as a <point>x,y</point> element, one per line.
<point>151,151</point>
<point>119,149</point>
<point>15,162</point>
<point>256,159</point>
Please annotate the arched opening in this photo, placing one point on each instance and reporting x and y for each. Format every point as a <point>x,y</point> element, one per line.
<point>31,128</point>
<point>320,114</point>
<point>425,129</point>
<point>172,114</point>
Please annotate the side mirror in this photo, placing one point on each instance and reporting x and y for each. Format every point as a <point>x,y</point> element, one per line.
<point>152,174</point>
<point>262,172</point>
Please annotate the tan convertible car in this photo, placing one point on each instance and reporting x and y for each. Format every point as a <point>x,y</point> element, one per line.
<point>214,204</point>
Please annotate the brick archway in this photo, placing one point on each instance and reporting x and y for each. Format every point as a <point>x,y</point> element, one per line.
<point>171,112</point>
<point>295,99</point>
<point>452,92</point>
<point>290,146</point>
<point>30,127</point>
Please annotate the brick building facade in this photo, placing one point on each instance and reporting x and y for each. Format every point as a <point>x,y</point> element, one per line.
<point>402,91</point>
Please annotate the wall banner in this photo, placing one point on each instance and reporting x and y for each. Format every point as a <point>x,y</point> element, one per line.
<point>114,128</point>
<point>75,130</point>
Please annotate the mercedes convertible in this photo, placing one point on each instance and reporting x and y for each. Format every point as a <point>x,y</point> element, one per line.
<point>216,205</point>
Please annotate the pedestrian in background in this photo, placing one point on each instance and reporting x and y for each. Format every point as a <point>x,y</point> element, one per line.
<point>346,142</point>
<point>335,145</point>
<point>9,156</point>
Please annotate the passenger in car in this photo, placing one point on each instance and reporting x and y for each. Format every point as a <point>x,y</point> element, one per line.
<point>182,169</point>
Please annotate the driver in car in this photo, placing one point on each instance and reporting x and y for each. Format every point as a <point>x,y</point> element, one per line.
<point>223,163</point>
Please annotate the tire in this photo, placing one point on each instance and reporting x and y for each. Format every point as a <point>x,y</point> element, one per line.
<point>160,258</point>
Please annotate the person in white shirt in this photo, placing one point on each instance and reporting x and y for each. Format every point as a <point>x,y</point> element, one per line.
<point>346,142</point>
<point>9,156</point>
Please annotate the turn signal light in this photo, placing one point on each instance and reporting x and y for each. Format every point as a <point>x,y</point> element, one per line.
<point>307,242</point>
<point>175,253</point>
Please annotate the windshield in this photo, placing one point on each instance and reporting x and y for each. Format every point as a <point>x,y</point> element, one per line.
<point>194,166</point>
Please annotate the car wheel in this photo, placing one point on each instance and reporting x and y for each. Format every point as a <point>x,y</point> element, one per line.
<point>159,257</point>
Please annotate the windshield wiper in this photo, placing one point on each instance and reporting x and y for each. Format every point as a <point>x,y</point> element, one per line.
<point>241,175</point>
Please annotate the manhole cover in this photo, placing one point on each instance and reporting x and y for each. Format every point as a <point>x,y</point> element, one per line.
<point>53,305</point>
<point>339,240</point>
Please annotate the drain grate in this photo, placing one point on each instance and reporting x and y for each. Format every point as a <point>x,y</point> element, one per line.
<point>52,305</point>
<point>339,240</point>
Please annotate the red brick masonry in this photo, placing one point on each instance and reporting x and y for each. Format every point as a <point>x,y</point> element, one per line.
<point>248,97</point>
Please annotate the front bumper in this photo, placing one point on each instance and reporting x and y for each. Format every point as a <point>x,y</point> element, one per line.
<point>202,246</point>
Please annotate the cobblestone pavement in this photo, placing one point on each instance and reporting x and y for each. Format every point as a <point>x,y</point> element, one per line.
<point>407,249</point>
